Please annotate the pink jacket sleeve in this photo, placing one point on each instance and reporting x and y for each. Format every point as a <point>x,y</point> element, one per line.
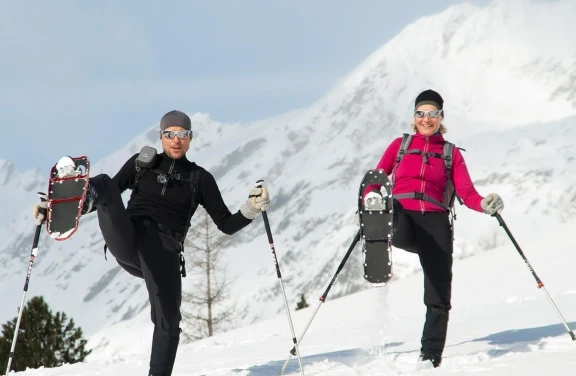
<point>386,163</point>
<point>463,183</point>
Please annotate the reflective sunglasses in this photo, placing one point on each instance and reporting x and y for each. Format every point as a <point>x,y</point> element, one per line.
<point>433,114</point>
<point>181,134</point>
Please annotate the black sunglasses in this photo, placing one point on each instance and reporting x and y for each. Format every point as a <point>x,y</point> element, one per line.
<point>181,134</point>
<point>431,114</point>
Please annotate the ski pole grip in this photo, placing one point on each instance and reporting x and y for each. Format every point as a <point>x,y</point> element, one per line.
<point>43,198</point>
<point>258,184</point>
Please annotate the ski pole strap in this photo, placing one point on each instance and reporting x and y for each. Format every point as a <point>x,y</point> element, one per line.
<point>423,197</point>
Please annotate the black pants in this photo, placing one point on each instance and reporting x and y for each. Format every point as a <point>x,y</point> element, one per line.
<point>146,253</point>
<point>430,236</point>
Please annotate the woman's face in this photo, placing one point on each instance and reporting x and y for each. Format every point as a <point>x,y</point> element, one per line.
<point>427,119</point>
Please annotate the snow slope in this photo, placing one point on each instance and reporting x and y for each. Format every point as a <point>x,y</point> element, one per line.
<point>500,325</point>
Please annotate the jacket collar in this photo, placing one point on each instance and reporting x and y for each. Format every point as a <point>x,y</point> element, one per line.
<point>179,161</point>
<point>435,138</point>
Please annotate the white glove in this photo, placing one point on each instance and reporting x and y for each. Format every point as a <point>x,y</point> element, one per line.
<point>37,213</point>
<point>492,204</point>
<point>257,203</point>
<point>373,201</point>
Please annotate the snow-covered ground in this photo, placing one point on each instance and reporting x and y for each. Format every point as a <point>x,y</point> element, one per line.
<point>501,325</point>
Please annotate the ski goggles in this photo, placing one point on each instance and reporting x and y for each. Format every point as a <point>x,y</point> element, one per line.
<point>433,114</point>
<point>184,133</point>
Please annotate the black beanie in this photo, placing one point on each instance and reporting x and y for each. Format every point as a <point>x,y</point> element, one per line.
<point>429,97</point>
<point>175,119</point>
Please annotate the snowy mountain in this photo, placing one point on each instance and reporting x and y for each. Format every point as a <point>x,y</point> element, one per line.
<point>508,76</point>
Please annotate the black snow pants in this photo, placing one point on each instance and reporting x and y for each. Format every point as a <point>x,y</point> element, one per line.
<point>145,252</point>
<point>429,235</point>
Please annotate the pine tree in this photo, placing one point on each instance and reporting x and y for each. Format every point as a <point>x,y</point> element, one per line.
<point>302,303</point>
<point>44,340</point>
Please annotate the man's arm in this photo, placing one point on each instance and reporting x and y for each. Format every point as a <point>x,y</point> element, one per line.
<point>212,201</point>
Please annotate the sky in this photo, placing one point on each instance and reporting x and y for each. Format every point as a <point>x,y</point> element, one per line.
<point>84,78</point>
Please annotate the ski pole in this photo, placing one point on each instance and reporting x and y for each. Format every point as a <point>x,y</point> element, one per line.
<point>540,284</point>
<point>323,297</point>
<point>271,242</point>
<point>43,211</point>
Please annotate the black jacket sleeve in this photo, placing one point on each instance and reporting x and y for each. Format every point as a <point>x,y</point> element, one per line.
<point>125,176</point>
<point>211,200</point>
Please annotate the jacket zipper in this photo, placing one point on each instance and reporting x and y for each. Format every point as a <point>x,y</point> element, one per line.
<point>167,177</point>
<point>422,184</point>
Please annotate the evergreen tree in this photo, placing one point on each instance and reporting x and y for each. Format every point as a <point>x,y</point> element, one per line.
<point>302,303</point>
<point>44,340</point>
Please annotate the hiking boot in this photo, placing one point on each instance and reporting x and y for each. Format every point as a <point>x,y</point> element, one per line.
<point>89,200</point>
<point>435,359</point>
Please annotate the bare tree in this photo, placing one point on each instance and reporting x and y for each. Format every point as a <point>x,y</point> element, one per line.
<point>207,308</point>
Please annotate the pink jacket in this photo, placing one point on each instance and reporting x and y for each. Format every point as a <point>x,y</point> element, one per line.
<point>414,175</point>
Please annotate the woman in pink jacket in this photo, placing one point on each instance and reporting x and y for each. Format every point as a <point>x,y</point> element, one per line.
<point>421,221</point>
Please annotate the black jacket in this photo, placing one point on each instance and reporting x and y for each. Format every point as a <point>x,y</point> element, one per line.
<point>169,204</point>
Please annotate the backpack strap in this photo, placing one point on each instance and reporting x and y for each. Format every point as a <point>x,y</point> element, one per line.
<point>139,173</point>
<point>404,145</point>
<point>406,141</point>
<point>448,160</point>
<point>194,187</point>
<point>448,151</point>
<point>449,191</point>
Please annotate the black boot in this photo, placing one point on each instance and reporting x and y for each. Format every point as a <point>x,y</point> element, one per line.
<point>90,199</point>
<point>98,192</point>
<point>436,359</point>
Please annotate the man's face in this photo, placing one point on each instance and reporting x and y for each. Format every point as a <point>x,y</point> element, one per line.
<point>174,146</point>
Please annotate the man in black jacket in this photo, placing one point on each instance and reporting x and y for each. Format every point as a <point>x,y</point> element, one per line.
<point>147,237</point>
